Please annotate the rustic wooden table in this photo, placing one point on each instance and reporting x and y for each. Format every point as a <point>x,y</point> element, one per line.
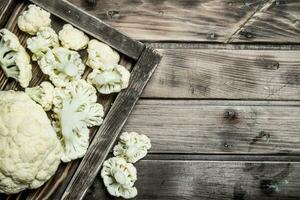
<point>222,108</point>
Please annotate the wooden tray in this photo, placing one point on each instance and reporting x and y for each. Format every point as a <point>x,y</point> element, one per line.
<point>72,180</point>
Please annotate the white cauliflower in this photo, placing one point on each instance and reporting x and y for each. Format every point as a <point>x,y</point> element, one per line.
<point>75,109</point>
<point>119,177</point>
<point>101,56</point>
<point>72,38</point>
<point>14,60</point>
<point>132,147</point>
<point>110,81</point>
<point>43,94</point>
<point>29,148</point>
<point>39,45</point>
<point>32,19</point>
<point>62,65</point>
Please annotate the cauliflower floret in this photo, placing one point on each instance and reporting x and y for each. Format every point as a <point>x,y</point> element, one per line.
<point>14,60</point>
<point>132,147</point>
<point>75,109</point>
<point>32,19</point>
<point>42,94</point>
<point>119,177</point>
<point>62,66</point>
<point>101,56</point>
<point>9,41</point>
<point>29,148</point>
<point>110,81</point>
<point>72,38</point>
<point>45,39</point>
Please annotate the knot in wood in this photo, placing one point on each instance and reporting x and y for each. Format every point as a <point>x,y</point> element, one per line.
<point>246,34</point>
<point>230,114</point>
<point>269,186</point>
<point>227,146</point>
<point>211,36</point>
<point>91,2</point>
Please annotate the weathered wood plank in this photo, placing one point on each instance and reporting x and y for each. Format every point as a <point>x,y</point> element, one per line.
<point>112,125</point>
<point>169,20</point>
<point>6,7</point>
<point>218,127</point>
<point>93,26</point>
<point>226,74</point>
<point>194,180</point>
<point>278,21</point>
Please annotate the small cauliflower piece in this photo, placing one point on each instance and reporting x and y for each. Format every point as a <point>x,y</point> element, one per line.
<point>62,65</point>
<point>43,94</point>
<point>132,146</point>
<point>29,148</point>
<point>119,177</point>
<point>32,19</point>
<point>39,45</point>
<point>101,56</point>
<point>14,60</point>
<point>75,109</point>
<point>110,81</point>
<point>73,38</point>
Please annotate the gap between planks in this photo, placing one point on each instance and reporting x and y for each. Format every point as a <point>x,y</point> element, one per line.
<point>218,158</point>
<point>218,45</point>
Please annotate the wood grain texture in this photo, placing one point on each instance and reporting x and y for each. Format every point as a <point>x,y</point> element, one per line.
<point>226,74</point>
<point>112,125</point>
<point>278,21</point>
<point>169,20</point>
<point>218,127</point>
<point>6,7</point>
<point>194,180</point>
<point>93,26</point>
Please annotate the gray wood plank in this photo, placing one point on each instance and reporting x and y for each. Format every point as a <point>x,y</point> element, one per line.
<point>226,74</point>
<point>194,180</point>
<point>169,20</point>
<point>278,21</point>
<point>112,125</point>
<point>275,21</point>
<point>93,26</point>
<point>218,127</point>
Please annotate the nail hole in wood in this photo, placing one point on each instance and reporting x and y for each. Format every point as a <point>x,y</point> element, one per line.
<point>113,14</point>
<point>230,114</point>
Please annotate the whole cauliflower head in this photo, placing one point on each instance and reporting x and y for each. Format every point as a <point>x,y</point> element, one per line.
<point>119,177</point>
<point>14,60</point>
<point>32,19</point>
<point>29,148</point>
<point>43,94</point>
<point>132,146</point>
<point>72,38</point>
<point>62,65</point>
<point>101,56</point>
<point>45,39</point>
<point>110,81</point>
<point>75,109</point>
